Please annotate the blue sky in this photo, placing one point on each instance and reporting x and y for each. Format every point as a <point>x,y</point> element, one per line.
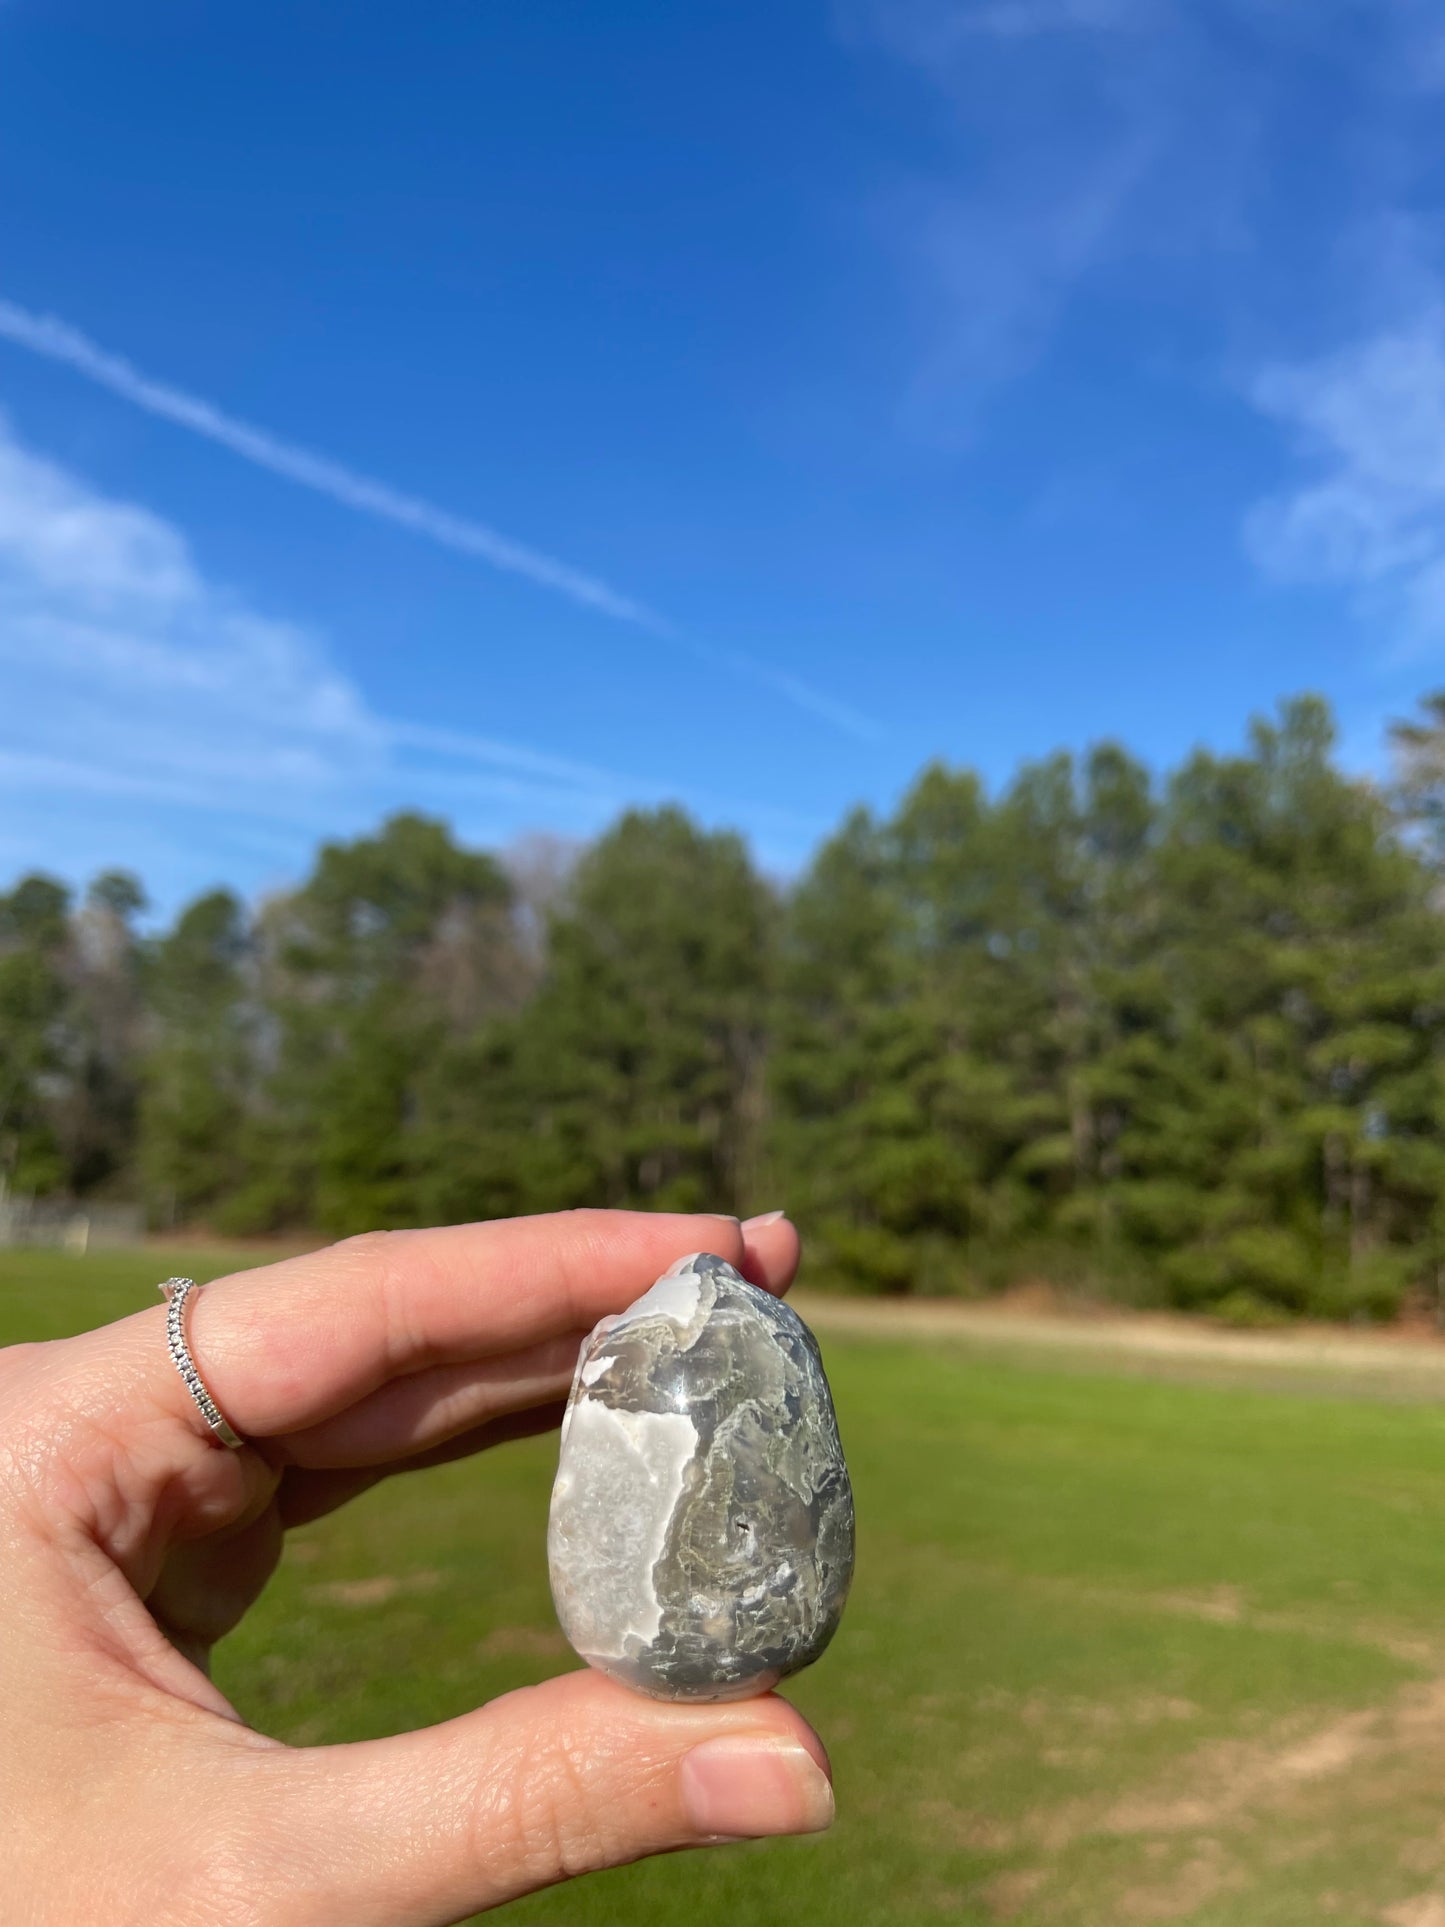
<point>516,412</point>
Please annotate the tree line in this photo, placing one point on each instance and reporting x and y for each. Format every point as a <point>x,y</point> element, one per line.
<point>1177,1040</point>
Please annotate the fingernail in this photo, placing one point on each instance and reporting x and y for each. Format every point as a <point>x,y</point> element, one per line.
<point>762,1223</point>
<point>745,1789</point>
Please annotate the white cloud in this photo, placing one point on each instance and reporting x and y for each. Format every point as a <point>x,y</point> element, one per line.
<point>100,603</point>
<point>126,675</point>
<point>57,340</point>
<point>1368,426</point>
<point>1408,36</point>
<point>1071,136</point>
<point>150,716</point>
<point>95,552</point>
<point>1122,148</point>
<point>999,269</point>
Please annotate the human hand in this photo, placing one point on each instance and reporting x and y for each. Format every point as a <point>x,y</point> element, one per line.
<point>131,1794</point>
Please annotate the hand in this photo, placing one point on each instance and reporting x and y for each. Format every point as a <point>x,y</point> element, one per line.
<point>130,1792</point>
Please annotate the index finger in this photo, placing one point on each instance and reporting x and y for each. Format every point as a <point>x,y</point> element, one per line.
<point>293,1343</point>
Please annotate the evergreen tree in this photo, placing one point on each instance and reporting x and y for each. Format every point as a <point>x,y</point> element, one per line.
<point>397,944</point>
<point>1185,1038</point>
<point>34,931</point>
<point>634,1075</point>
<point>95,1096</point>
<point>199,1071</point>
<point>1282,1149</point>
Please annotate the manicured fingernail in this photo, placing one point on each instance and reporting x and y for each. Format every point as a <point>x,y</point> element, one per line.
<point>762,1223</point>
<point>744,1789</point>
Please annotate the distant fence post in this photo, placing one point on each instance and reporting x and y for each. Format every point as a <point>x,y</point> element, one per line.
<point>64,1225</point>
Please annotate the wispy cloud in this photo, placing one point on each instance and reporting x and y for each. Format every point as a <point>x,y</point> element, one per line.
<point>1000,268</point>
<point>1088,148</point>
<point>58,341</point>
<point>119,658</point>
<point>931,31</point>
<point>151,715</point>
<point>1071,135</point>
<point>1367,423</point>
<point>148,714</point>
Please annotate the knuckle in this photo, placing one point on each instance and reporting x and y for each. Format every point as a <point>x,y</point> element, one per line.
<point>363,1246</point>
<point>383,1266</point>
<point>540,1821</point>
<point>563,1822</point>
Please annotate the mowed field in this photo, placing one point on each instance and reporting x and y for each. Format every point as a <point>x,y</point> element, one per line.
<point>1131,1640</point>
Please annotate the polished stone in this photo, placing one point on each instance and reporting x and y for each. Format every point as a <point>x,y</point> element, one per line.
<point>701,1535</point>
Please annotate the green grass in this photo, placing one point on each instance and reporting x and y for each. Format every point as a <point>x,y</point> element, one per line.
<point>1120,1649</point>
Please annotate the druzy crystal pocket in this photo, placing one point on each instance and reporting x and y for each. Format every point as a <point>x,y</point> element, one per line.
<point>701,1536</point>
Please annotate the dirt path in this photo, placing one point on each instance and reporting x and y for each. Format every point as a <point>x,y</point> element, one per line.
<point>1409,1361</point>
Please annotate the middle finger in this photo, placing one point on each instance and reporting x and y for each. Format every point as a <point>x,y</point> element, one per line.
<point>410,1415</point>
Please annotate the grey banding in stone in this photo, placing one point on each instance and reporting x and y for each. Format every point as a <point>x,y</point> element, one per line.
<point>701,1533</point>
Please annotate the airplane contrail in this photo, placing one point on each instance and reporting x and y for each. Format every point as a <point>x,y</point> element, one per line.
<point>57,341</point>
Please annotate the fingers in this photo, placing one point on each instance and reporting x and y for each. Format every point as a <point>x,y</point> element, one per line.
<point>308,1493</point>
<point>207,1585</point>
<point>290,1345</point>
<point>771,1249</point>
<point>410,1415</point>
<point>557,1780</point>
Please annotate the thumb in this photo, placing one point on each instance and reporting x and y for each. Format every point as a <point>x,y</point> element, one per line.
<point>542,1784</point>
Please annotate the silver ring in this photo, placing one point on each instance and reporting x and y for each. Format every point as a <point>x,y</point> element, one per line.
<point>178,1290</point>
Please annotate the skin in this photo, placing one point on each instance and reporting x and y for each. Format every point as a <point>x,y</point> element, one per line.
<point>130,1541</point>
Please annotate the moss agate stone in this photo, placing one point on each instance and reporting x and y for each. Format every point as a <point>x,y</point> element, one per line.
<point>701,1535</point>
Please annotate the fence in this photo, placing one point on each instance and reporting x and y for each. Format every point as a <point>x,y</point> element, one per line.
<point>65,1224</point>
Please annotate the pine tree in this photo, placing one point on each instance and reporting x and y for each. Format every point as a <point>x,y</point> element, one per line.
<point>1184,1037</point>
<point>635,1072</point>
<point>397,944</point>
<point>34,931</point>
<point>199,1073</point>
<point>94,1100</point>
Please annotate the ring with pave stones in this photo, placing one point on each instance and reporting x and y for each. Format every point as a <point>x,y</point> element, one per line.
<point>177,1291</point>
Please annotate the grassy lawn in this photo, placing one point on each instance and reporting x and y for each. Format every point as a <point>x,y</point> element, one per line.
<point>1121,1648</point>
